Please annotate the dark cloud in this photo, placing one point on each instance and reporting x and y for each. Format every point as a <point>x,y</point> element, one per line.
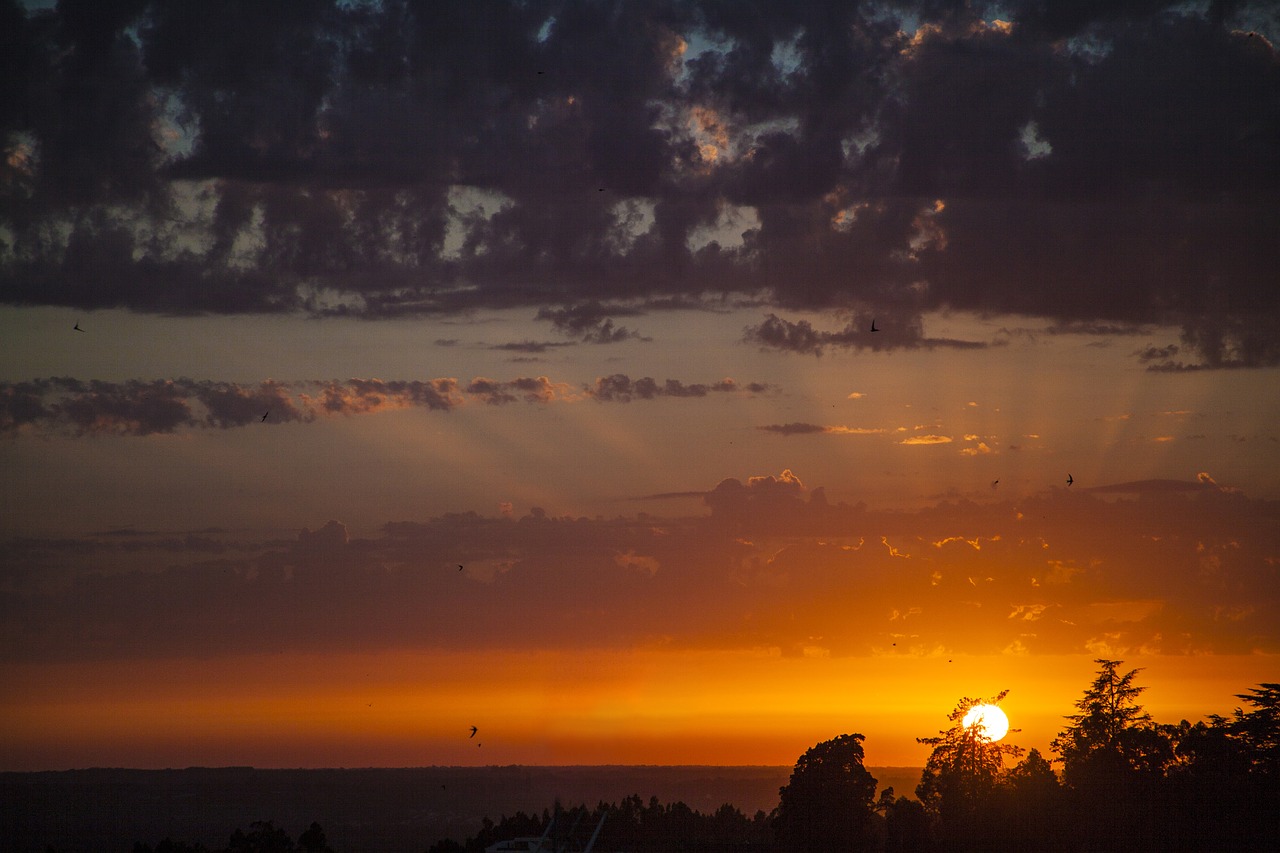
<point>135,407</point>
<point>798,336</point>
<point>591,323</point>
<point>359,396</point>
<point>663,496</point>
<point>1165,571</point>
<point>140,407</point>
<point>529,389</point>
<point>801,428</point>
<point>531,346</point>
<point>765,503</point>
<point>620,388</point>
<point>794,428</point>
<point>1110,165</point>
<point>892,331</point>
<point>1157,353</point>
<point>230,405</point>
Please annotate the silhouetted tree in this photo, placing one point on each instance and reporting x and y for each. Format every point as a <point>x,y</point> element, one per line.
<point>168,845</point>
<point>827,805</point>
<point>263,837</point>
<point>630,825</point>
<point>1031,802</point>
<point>446,845</point>
<point>1113,761</point>
<point>906,827</point>
<point>1258,730</point>
<point>1112,739</point>
<point>961,775</point>
<point>313,840</point>
<point>1204,753</point>
<point>1032,774</point>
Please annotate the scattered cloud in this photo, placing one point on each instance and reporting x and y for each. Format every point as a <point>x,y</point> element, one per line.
<point>139,407</point>
<point>927,439</point>
<point>799,336</point>
<point>531,390</point>
<point>531,347</point>
<point>592,323</point>
<point>800,428</point>
<point>979,449</point>
<point>620,388</point>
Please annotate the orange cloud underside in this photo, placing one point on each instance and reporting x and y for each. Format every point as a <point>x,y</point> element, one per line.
<point>642,707</point>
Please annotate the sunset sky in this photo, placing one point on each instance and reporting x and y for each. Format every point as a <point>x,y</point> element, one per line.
<point>372,370</point>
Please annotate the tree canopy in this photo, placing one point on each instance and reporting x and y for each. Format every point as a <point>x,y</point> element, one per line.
<point>1111,735</point>
<point>829,801</point>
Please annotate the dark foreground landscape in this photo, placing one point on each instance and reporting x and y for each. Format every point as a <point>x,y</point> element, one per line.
<point>380,810</point>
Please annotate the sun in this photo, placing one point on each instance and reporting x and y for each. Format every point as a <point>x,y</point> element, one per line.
<point>994,724</point>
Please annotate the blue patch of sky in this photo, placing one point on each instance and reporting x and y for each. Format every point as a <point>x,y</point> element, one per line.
<point>544,32</point>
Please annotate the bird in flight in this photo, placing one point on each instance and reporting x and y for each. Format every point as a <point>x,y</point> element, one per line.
<point>473,731</point>
<point>873,325</point>
<point>459,566</point>
<point>264,415</point>
<point>995,483</point>
<point>1069,480</point>
<point>77,326</point>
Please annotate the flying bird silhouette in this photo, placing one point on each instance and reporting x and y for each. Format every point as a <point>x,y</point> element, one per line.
<point>264,415</point>
<point>873,325</point>
<point>77,326</point>
<point>459,566</point>
<point>473,731</point>
<point>1069,480</point>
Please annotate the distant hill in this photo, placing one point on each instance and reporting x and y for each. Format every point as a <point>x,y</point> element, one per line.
<point>400,810</point>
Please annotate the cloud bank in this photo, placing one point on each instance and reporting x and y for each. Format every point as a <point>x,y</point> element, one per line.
<point>772,565</point>
<point>1096,164</point>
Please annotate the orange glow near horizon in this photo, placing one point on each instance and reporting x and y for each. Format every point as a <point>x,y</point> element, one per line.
<point>643,707</point>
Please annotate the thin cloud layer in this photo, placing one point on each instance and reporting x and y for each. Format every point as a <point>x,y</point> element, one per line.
<point>1168,572</point>
<point>405,158</point>
<point>802,428</point>
<point>140,407</point>
<point>620,388</point>
<point>801,337</point>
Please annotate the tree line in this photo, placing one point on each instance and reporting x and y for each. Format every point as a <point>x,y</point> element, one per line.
<point>1117,781</point>
<point>1124,783</point>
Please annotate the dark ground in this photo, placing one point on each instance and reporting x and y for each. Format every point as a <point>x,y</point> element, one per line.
<point>375,810</point>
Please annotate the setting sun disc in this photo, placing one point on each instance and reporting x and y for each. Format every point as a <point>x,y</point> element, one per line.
<point>993,721</point>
